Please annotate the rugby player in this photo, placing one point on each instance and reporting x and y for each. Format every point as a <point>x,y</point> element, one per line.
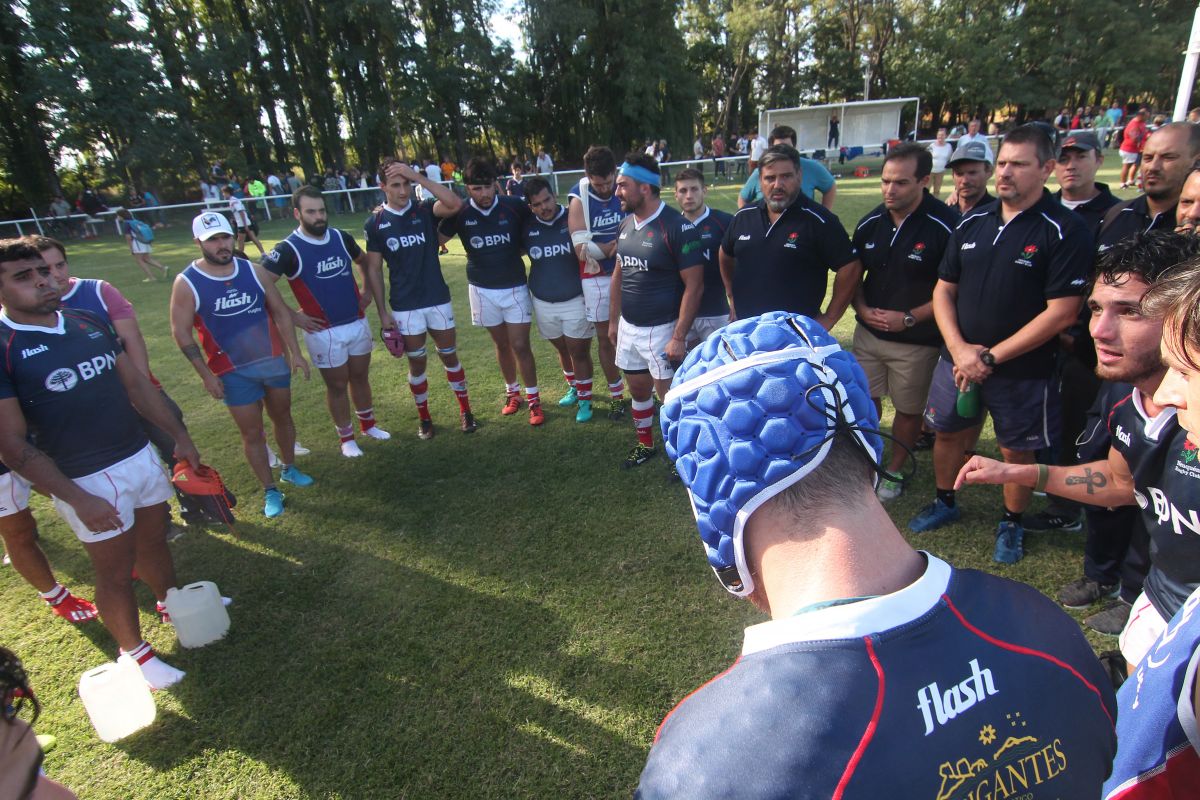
<point>60,368</point>
<point>247,226</point>
<point>245,329</point>
<point>557,290</point>
<point>489,226</point>
<point>593,215</point>
<point>403,233</point>
<point>1152,460</point>
<point>881,667</point>
<point>656,289</point>
<point>691,194</point>
<point>317,263</point>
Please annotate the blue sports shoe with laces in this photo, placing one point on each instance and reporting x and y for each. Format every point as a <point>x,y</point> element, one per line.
<point>934,516</point>
<point>295,477</point>
<point>273,503</point>
<point>1010,541</point>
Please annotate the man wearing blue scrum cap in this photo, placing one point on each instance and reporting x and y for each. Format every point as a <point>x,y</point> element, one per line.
<point>882,666</point>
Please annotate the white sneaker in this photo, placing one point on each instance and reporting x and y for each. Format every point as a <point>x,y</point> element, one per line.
<point>160,675</point>
<point>273,460</point>
<point>300,449</point>
<point>376,432</point>
<point>889,490</point>
<point>351,449</point>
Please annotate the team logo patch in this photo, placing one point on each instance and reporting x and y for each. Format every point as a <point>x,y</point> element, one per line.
<point>1189,452</point>
<point>1029,252</point>
<point>62,379</point>
<point>793,240</point>
<point>476,242</point>
<point>393,243</point>
<point>535,252</point>
<point>917,251</point>
<point>272,256</point>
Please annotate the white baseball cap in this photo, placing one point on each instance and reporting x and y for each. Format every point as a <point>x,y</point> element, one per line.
<point>209,224</point>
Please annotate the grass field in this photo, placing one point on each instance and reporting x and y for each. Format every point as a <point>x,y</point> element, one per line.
<point>499,615</point>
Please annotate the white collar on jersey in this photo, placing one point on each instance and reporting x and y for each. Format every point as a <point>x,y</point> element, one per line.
<point>855,620</point>
<point>495,204</point>
<point>638,224</point>
<point>1152,427</point>
<point>75,284</point>
<point>60,328</point>
<point>700,218</point>
<point>557,217</point>
<point>300,234</point>
<point>399,212</point>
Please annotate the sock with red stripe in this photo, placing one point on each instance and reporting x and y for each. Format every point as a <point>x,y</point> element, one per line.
<point>643,420</point>
<point>158,673</point>
<point>366,418</point>
<point>56,595</point>
<point>419,386</point>
<point>346,434</point>
<point>512,388</point>
<point>532,395</point>
<point>616,390</point>
<point>569,376</point>
<point>457,377</point>
<point>583,388</point>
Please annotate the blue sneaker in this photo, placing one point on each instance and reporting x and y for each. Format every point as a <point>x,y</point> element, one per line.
<point>273,503</point>
<point>295,477</point>
<point>934,516</point>
<point>1010,540</point>
<point>569,398</point>
<point>585,411</point>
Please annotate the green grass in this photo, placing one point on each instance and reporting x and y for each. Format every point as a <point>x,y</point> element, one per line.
<point>505,614</point>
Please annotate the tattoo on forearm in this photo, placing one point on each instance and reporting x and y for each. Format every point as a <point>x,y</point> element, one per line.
<point>1090,478</point>
<point>192,352</point>
<point>29,453</point>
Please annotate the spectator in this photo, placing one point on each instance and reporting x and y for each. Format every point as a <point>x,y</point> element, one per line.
<point>1133,139</point>
<point>515,186</point>
<point>718,153</point>
<point>941,151</point>
<point>971,166</point>
<point>814,176</point>
<point>133,231</point>
<point>150,200</point>
<point>835,132</point>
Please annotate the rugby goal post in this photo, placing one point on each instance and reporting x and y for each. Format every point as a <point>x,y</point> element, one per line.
<point>865,123</point>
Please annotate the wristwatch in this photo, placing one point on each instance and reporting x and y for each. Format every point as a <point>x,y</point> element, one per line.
<point>909,319</point>
<point>987,358</point>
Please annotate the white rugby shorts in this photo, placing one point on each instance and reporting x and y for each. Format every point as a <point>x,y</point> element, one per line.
<point>703,326</point>
<point>596,293</point>
<point>567,318</point>
<point>641,348</point>
<point>417,321</point>
<point>1141,631</point>
<point>491,307</point>
<point>332,347</point>
<point>14,494</point>
<point>139,481</point>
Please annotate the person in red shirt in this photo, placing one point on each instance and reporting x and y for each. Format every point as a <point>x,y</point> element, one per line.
<point>1132,142</point>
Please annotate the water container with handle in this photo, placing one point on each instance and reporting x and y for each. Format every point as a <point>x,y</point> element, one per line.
<point>117,699</point>
<point>197,613</point>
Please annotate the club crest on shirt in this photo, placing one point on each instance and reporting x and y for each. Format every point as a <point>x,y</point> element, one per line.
<point>918,251</point>
<point>793,240</point>
<point>1028,253</point>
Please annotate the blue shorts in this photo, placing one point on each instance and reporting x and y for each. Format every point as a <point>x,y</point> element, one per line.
<point>249,384</point>
<point>1026,412</point>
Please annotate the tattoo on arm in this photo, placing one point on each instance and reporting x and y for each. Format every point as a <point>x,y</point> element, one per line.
<point>28,453</point>
<point>1090,478</point>
<point>192,352</point>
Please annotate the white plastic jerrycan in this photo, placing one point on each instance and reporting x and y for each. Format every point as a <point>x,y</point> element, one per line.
<point>197,613</point>
<point>117,699</point>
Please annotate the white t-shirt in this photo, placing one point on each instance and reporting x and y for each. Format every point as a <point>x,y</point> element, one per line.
<point>979,137</point>
<point>1074,204</point>
<point>698,149</point>
<point>941,154</point>
<point>760,147</point>
<point>240,218</point>
<point>434,173</point>
<point>544,164</point>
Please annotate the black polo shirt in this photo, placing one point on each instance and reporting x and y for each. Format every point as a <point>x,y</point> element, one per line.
<point>987,198</point>
<point>1133,217</point>
<point>782,266</point>
<point>1093,210</point>
<point>1006,273</point>
<point>901,263</point>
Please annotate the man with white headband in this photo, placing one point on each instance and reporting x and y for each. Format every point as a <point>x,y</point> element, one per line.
<point>881,667</point>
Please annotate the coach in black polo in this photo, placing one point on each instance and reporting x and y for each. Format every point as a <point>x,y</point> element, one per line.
<point>1012,279</point>
<point>1166,160</point>
<point>776,253</point>
<point>901,242</point>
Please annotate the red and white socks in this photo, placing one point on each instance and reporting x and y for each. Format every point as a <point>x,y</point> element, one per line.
<point>350,448</point>
<point>457,378</point>
<point>158,673</point>
<point>366,422</point>
<point>643,420</point>
<point>419,386</point>
<point>68,606</point>
<point>583,388</point>
<point>616,390</point>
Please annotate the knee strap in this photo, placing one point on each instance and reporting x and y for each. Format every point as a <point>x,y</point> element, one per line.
<point>447,351</point>
<point>418,353</point>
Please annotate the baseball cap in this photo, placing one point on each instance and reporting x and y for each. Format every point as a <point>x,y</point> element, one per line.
<point>209,224</point>
<point>752,411</point>
<point>970,151</point>
<point>1085,140</point>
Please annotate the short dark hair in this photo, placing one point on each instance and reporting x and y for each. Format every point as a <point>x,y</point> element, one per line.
<point>18,250</point>
<point>1031,134</point>
<point>689,174</point>
<point>1193,135</point>
<point>1147,256</point>
<point>309,191</point>
<point>44,243</point>
<point>780,152</point>
<point>516,164</point>
<point>535,186</point>
<point>913,150</point>
<point>599,161</point>
<point>639,159</point>
<point>479,172</point>
<point>784,132</point>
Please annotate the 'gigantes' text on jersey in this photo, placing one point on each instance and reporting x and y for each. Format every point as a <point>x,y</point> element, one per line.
<point>407,240</point>
<point>492,239</point>
<point>710,230</point>
<point>321,274</point>
<point>231,318</point>
<point>1005,273</point>
<point>66,381</point>
<point>1166,486</point>
<point>553,267</point>
<point>652,254</point>
<point>605,219</point>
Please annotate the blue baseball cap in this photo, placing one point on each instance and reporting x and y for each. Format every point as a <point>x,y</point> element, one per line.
<point>752,411</point>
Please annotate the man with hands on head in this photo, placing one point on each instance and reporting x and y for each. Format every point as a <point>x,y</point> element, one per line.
<point>250,348</point>
<point>59,370</point>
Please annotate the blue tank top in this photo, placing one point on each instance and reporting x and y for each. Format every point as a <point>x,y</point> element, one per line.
<point>85,296</point>
<point>606,216</point>
<point>231,318</point>
<point>321,274</point>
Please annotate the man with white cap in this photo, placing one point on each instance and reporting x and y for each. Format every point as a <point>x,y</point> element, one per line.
<point>773,431</point>
<point>250,348</point>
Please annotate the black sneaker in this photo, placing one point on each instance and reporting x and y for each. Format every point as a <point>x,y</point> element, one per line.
<point>1047,521</point>
<point>672,474</point>
<point>924,441</point>
<point>616,410</point>
<point>639,455</point>
<point>1085,591</point>
<point>1111,620</point>
<point>468,422</point>
<point>426,429</point>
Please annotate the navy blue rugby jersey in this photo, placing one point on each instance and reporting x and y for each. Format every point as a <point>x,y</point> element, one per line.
<point>652,253</point>
<point>492,239</point>
<point>553,267</point>
<point>710,230</point>
<point>408,242</point>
